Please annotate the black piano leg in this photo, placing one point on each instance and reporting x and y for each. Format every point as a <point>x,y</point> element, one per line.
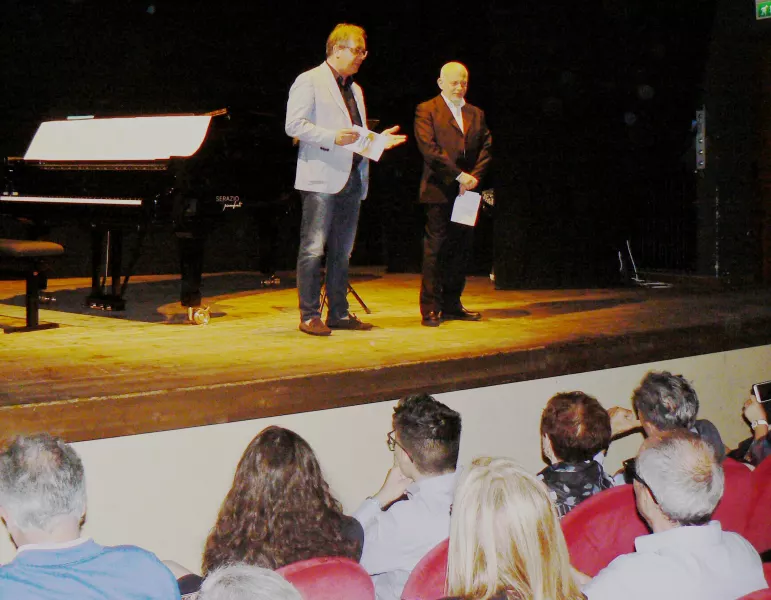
<point>97,241</point>
<point>115,264</point>
<point>191,252</point>
<point>98,298</point>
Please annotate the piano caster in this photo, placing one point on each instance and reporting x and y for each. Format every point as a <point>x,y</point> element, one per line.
<point>106,302</point>
<point>199,315</point>
<point>271,281</point>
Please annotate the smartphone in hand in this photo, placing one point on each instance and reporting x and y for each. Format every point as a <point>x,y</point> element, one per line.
<point>762,392</point>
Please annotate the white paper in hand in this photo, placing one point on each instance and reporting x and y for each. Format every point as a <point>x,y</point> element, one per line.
<point>466,208</point>
<point>370,144</point>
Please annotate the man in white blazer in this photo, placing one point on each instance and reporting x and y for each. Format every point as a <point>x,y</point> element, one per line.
<point>324,105</point>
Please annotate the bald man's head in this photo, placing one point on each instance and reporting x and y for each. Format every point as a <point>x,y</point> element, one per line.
<point>453,81</point>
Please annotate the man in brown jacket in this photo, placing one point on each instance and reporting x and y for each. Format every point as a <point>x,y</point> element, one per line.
<point>453,138</point>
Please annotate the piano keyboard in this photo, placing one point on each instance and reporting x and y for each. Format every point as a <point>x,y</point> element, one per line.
<point>72,200</point>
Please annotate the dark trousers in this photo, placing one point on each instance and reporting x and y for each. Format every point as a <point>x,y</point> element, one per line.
<point>446,250</point>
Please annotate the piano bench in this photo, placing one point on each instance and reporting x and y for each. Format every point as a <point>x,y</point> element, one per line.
<point>26,256</point>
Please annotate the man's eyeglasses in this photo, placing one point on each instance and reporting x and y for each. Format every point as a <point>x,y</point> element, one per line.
<point>392,443</point>
<point>358,52</point>
<point>636,476</point>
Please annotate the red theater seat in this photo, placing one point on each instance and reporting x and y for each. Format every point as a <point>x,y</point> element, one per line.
<point>759,595</point>
<point>601,528</point>
<point>733,511</point>
<point>428,578</point>
<point>329,578</point>
<point>759,522</point>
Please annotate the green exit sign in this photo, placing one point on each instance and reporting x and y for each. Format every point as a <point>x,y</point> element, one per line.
<point>763,9</point>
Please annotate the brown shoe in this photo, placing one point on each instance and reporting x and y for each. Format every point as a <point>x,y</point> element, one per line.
<point>351,322</point>
<point>315,327</point>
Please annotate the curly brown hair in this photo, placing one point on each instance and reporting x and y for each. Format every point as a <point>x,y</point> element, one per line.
<point>577,425</point>
<point>279,509</point>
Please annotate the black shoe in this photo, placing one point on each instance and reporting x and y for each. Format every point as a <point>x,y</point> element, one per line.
<point>351,322</point>
<point>431,319</point>
<point>460,314</point>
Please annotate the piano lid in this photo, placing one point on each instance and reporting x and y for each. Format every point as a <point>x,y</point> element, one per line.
<point>119,139</point>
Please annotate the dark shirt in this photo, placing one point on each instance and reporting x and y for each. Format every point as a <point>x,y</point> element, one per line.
<point>189,584</point>
<point>709,433</point>
<point>352,530</point>
<point>345,84</point>
<point>753,451</point>
<point>571,483</point>
<point>350,100</point>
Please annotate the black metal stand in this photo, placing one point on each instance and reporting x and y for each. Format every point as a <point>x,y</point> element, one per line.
<point>325,302</point>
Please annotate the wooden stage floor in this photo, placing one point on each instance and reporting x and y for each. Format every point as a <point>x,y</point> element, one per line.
<point>101,374</point>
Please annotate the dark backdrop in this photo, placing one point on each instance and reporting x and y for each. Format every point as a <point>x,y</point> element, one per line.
<point>591,107</point>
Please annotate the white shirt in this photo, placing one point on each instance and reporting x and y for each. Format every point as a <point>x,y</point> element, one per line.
<point>685,563</point>
<point>455,109</point>
<point>396,539</point>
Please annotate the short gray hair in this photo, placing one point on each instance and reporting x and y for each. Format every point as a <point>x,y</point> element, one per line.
<point>666,401</point>
<point>41,480</point>
<point>684,476</point>
<point>246,582</point>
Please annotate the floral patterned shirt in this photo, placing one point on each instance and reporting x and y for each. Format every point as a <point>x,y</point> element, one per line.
<point>571,483</point>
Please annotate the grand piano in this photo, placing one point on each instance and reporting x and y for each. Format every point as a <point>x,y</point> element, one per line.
<point>117,174</point>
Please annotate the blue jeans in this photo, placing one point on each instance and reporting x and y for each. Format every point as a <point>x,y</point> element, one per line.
<point>328,220</point>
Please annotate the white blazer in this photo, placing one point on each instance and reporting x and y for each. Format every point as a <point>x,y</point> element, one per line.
<point>314,113</point>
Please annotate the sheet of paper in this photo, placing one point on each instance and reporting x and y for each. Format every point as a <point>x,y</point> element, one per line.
<point>466,208</point>
<point>369,144</point>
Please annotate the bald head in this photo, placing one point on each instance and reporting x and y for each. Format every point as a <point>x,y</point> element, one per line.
<point>453,81</point>
<point>452,69</point>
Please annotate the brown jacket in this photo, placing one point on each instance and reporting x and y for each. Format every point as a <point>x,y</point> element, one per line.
<point>447,151</point>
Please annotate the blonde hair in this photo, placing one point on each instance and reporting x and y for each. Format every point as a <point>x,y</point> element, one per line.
<point>342,33</point>
<point>505,536</point>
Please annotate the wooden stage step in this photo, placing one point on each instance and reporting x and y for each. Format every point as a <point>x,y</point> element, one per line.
<point>102,375</point>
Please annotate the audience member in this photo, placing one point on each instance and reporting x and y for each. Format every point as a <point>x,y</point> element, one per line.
<point>505,538</point>
<point>279,509</point>
<point>574,429</point>
<point>755,449</point>
<point>665,402</point>
<point>189,583</point>
<point>246,582</point>
<point>425,441</point>
<point>678,484</point>
<point>43,504</point>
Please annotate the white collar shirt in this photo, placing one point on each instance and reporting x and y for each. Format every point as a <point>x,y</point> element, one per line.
<point>396,539</point>
<point>701,562</point>
<point>53,545</point>
<point>456,110</point>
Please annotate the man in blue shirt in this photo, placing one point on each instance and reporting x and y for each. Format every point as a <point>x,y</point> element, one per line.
<point>43,503</point>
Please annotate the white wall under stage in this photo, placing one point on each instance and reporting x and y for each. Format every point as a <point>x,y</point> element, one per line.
<point>162,491</point>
